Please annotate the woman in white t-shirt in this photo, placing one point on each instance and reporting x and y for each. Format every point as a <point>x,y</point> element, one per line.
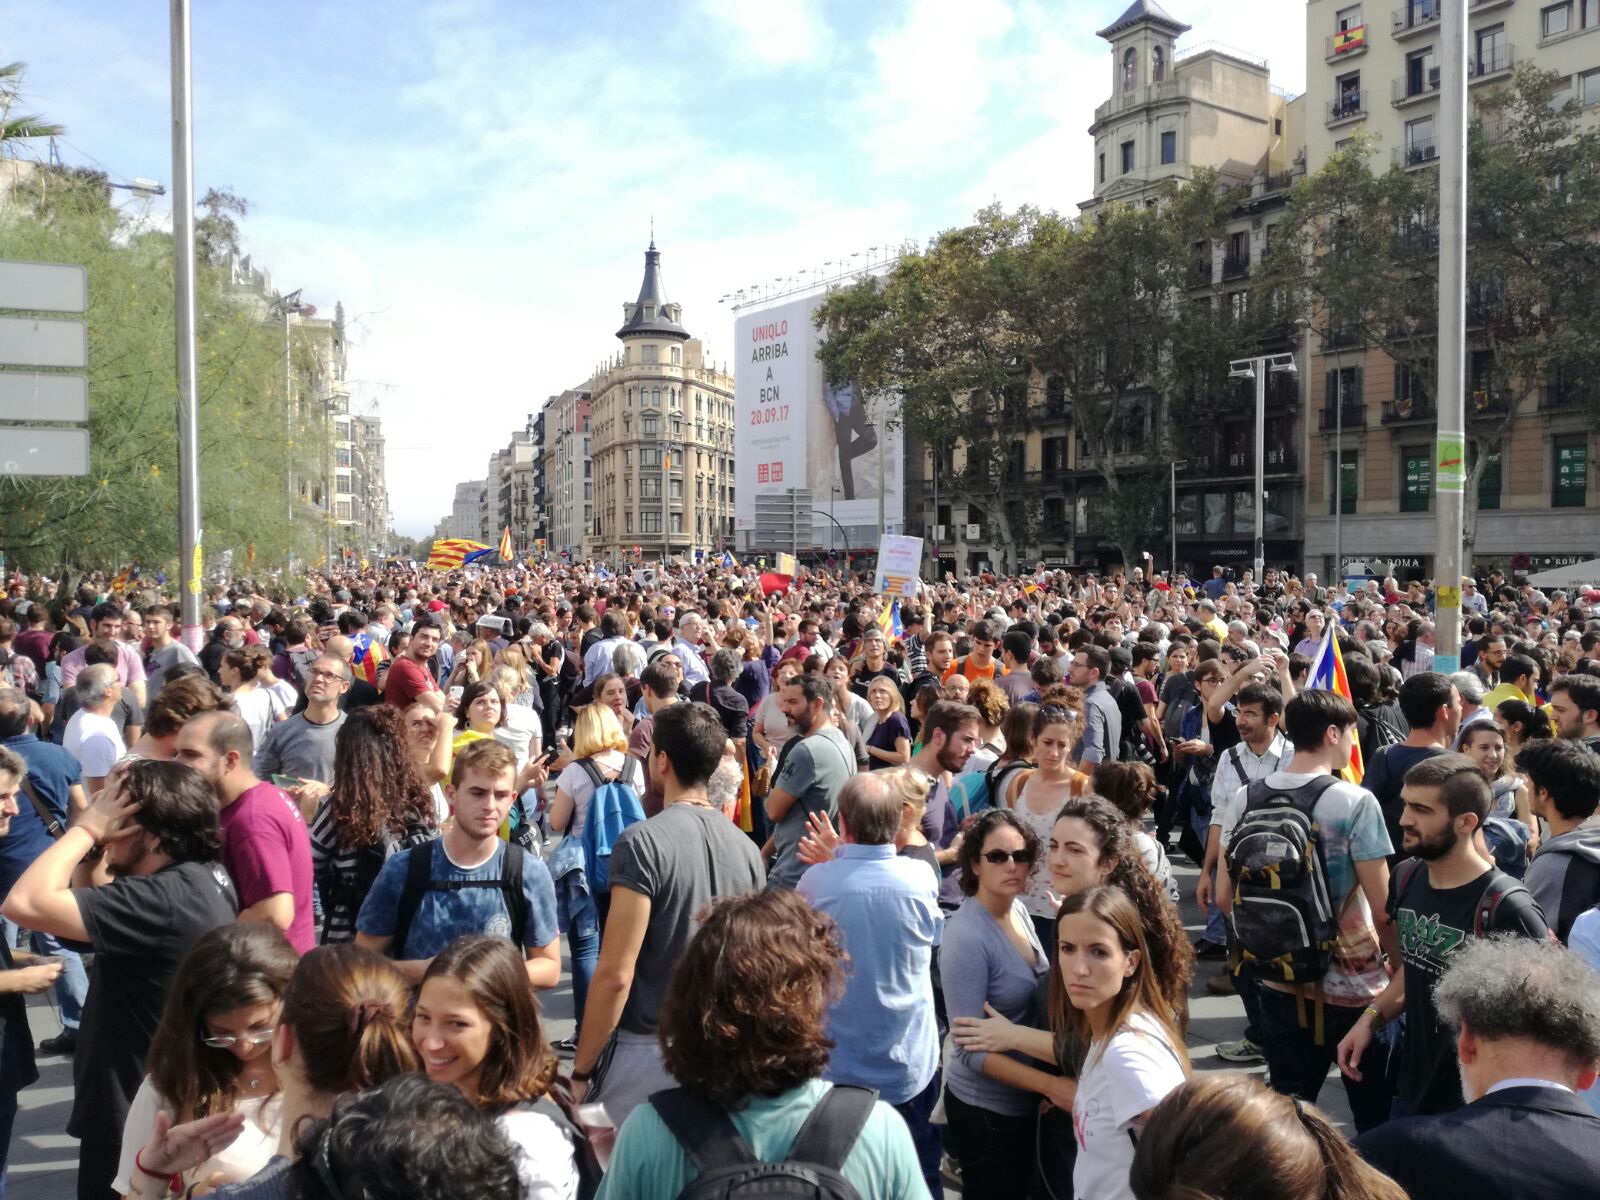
<point>1105,991</point>
<point>259,708</point>
<point>476,1026</point>
<point>211,1053</point>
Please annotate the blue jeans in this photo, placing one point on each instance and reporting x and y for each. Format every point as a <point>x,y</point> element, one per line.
<point>1216,923</point>
<point>72,986</point>
<point>583,944</point>
<point>927,1138</point>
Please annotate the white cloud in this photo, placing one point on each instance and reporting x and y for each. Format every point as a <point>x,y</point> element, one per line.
<point>766,33</point>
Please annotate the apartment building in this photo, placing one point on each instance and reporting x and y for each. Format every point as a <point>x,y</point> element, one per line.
<point>1376,69</point>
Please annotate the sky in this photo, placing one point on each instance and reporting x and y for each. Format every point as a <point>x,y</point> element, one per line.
<point>476,180</point>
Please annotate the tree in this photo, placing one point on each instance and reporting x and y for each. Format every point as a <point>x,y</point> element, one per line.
<point>126,509</point>
<point>1362,249</point>
<point>18,127</point>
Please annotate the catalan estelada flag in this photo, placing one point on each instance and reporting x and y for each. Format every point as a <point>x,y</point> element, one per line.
<point>889,622</point>
<point>1327,673</point>
<point>505,545</point>
<point>448,553</point>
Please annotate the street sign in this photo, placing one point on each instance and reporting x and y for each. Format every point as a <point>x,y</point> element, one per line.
<point>35,451</point>
<point>28,342</point>
<point>44,287</point>
<point>34,396</point>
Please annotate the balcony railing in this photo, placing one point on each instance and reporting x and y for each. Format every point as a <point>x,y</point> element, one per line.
<point>1235,266</point>
<point>1416,17</point>
<point>1489,63</point>
<point>1486,401</point>
<point>1200,272</point>
<point>1339,337</point>
<point>1335,50</point>
<point>1418,239</point>
<point>1414,86</point>
<point>1417,153</point>
<point>1348,107</point>
<point>1353,417</point>
<point>1556,397</point>
<point>1399,411</point>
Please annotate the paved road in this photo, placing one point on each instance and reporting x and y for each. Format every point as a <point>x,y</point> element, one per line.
<point>43,1158</point>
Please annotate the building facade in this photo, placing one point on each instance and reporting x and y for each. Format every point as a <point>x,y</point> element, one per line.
<point>463,519</point>
<point>662,437</point>
<point>1377,71</point>
<point>569,474</point>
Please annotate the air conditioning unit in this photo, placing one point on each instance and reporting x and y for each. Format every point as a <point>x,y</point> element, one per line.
<point>1433,77</point>
<point>974,531</point>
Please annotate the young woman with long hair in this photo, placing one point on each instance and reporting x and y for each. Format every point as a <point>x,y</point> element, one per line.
<point>853,705</point>
<point>479,714</point>
<point>476,1026</point>
<point>211,1053</point>
<point>1295,1152</point>
<point>1523,723</point>
<point>1484,742</point>
<point>744,1032</point>
<point>254,703</point>
<point>1131,788</point>
<point>379,803</point>
<point>1044,790</point>
<point>770,728</point>
<point>889,743</point>
<point>344,1028</point>
<point>1105,991</point>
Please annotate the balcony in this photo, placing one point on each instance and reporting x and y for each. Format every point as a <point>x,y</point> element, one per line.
<point>1415,86</point>
<point>1353,417</point>
<point>1406,410</point>
<point>1200,272</point>
<point>1417,239</point>
<point>1480,6</point>
<point>1340,337</point>
<point>1419,152</point>
<point>1417,17</point>
<point>1561,397</point>
<point>1236,266</point>
<point>1486,400</point>
<point>1491,63</point>
<point>1349,107</point>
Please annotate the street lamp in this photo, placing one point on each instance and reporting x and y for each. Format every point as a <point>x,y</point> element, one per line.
<point>1173,518</point>
<point>1258,368</point>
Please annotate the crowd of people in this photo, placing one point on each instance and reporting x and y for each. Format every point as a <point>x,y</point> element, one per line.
<point>875,896</point>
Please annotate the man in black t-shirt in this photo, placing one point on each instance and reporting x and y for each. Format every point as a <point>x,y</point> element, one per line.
<point>138,879</point>
<point>1451,893</point>
<point>1431,706</point>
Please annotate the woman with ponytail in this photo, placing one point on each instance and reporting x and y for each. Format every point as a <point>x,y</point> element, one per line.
<point>344,1028</point>
<point>1295,1153</point>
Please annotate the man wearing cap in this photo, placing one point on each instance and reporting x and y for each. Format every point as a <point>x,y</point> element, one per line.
<point>1471,599</point>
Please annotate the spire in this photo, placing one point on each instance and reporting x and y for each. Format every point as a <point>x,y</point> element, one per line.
<point>1143,10</point>
<point>652,313</point>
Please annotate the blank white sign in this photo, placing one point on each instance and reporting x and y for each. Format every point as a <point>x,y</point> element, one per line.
<point>26,451</point>
<point>26,342</point>
<point>43,287</point>
<point>35,396</point>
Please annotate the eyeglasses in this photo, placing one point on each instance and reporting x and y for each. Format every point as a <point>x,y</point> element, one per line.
<point>1023,858</point>
<point>328,676</point>
<point>255,1037</point>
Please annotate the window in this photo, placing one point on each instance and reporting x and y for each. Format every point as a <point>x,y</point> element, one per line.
<point>1422,73</point>
<point>650,488</point>
<point>1277,126</point>
<point>1591,13</point>
<point>652,353</point>
<point>1589,86</point>
<point>675,491</point>
<point>1158,65</point>
<point>650,522</point>
<point>627,487</point>
<point>1348,92</point>
<point>1130,69</point>
<point>1420,143</point>
<point>1492,51</point>
<point>649,426</point>
<point>1556,19</point>
<point>1416,478</point>
<point>1348,18</point>
<point>1127,157</point>
<point>1569,482</point>
<point>650,456</point>
<point>677,356</point>
<point>342,510</point>
<point>1169,147</point>
<point>677,522</point>
<point>1560,93</point>
<point>1102,167</point>
<point>655,397</point>
<point>627,458</point>
<point>342,456</point>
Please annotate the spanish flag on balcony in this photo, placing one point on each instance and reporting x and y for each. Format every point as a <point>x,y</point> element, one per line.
<point>505,545</point>
<point>1350,39</point>
<point>448,553</point>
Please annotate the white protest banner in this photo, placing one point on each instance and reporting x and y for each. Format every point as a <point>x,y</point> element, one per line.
<point>899,565</point>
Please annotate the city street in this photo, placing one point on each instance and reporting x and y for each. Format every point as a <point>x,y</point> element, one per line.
<point>44,1159</point>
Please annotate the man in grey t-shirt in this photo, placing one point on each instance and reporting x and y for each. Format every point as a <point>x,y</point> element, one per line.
<point>814,766</point>
<point>662,872</point>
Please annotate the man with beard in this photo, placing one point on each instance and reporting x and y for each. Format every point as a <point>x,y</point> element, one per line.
<point>1447,894</point>
<point>137,879</point>
<point>812,767</point>
<point>950,733</point>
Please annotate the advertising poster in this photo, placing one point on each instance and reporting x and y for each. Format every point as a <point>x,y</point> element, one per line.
<point>793,431</point>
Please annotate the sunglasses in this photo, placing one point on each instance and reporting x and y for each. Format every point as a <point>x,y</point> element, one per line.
<point>1023,858</point>
<point>256,1037</point>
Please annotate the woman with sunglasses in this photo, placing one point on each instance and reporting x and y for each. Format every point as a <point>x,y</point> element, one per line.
<point>211,1052</point>
<point>991,962</point>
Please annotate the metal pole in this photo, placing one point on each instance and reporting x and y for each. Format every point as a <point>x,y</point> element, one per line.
<point>937,560</point>
<point>1449,458</point>
<point>1261,469</point>
<point>883,433</point>
<point>1338,472</point>
<point>1172,520</point>
<point>191,551</point>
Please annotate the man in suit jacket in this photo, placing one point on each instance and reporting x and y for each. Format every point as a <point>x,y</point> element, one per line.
<point>1527,1015</point>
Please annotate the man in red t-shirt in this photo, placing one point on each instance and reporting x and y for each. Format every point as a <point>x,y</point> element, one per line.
<point>409,674</point>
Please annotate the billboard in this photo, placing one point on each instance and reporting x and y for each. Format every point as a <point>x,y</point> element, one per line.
<point>795,433</point>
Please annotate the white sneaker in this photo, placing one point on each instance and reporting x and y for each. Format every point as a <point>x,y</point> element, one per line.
<point>1244,1050</point>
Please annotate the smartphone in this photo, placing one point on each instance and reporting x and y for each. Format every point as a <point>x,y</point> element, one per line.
<point>551,754</point>
<point>286,782</point>
<point>455,692</point>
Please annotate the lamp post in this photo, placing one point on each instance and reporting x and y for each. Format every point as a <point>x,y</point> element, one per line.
<point>1173,515</point>
<point>1257,368</point>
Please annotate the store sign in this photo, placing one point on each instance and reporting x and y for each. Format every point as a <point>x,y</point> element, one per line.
<point>1572,474</point>
<point>1418,472</point>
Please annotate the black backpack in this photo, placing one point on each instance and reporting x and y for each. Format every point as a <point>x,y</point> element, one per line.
<point>1284,923</point>
<point>420,881</point>
<point>729,1169</point>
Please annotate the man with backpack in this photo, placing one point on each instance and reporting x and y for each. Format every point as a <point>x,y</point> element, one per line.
<point>468,881</point>
<point>1432,707</point>
<point>1437,900</point>
<point>662,873</point>
<point>1307,868</point>
<point>812,767</point>
<point>1564,790</point>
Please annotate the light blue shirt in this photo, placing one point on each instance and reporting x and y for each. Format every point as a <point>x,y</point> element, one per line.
<point>887,910</point>
<point>694,667</point>
<point>1584,941</point>
<point>598,661</point>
